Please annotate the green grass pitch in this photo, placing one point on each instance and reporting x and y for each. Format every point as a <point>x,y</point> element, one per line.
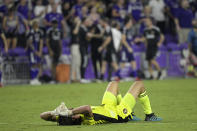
<point>174,100</point>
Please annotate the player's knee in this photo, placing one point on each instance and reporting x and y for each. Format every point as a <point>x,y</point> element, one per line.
<point>112,85</point>
<point>139,84</point>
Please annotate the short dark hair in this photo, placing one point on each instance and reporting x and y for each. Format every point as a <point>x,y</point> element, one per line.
<point>127,19</point>
<point>65,120</point>
<point>106,20</point>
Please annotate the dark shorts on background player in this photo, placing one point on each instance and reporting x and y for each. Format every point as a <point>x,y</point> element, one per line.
<point>56,53</point>
<point>110,56</point>
<point>11,34</point>
<point>151,53</point>
<point>126,56</point>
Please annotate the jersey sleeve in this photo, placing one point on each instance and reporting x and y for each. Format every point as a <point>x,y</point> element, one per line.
<point>48,34</point>
<point>157,32</point>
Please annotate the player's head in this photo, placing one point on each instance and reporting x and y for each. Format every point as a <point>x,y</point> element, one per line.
<point>87,22</point>
<point>104,22</point>
<point>11,10</point>
<point>35,24</point>
<point>54,23</point>
<point>128,22</point>
<point>148,22</point>
<point>115,24</point>
<point>54,8</point>
<point>63,121</point>
<point>185,4</point>
<point>194,23</point>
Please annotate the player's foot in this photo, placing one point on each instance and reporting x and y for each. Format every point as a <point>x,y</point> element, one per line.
<point>35,82</point>
<point>150,78</point>
<point>85,81</point>
<point>159,75</point>
<point>152,117</point>
<point>135,118</point>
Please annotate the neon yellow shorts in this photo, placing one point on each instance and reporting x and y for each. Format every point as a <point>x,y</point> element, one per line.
<point>124,108</point>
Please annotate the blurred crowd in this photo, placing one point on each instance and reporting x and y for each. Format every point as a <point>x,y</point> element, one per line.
<point>106,26</point>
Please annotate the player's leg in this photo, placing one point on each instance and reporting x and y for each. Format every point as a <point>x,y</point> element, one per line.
<point>40,70</point>
<point>111,93</point>
<point>155,63</point>
<point>103,69</point>
<point>14,43</point>
<point>112,87</point>
<point>114,64</point>
<point>8,42</point>
<point>134,68</point>
<point>150,69</point>
<point>137,90</point>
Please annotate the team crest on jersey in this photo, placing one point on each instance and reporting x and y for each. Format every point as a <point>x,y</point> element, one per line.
<point>125,111</point>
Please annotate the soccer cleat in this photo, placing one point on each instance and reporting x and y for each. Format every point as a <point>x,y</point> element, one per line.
<point>135,118</point>
<point>152,117</point>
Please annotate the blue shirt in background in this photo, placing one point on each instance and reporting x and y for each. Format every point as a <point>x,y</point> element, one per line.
<point>185,17</point>
<point>192,38</point>
<point>54,16</point>
<point>23,10</point>
<point>135,9</point>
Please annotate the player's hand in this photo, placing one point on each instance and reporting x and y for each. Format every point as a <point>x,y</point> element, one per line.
<point>38,54</point>
<point>100,49</point>
<point>178,28</point>
<point>158,44</point>
<point>130,50</point>
<point>6,50</point>
<point>51,53</point>
<point>136,40</point>
<point>90,35</point>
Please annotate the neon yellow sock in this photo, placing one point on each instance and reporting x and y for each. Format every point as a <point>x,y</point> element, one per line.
<point>119,98</point>
<point>145,102</point>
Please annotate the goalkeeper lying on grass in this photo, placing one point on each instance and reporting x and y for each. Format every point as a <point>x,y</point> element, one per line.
<point>114,108</point>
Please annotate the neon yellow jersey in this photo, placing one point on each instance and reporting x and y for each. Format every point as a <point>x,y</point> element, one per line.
<point>103,114</point>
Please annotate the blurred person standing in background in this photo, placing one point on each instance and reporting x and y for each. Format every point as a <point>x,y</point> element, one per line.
<point>192,40</point>
<point>110,48</point>
<point>127,55</point>
<point>54,44</point>
<point>11,27</point>
<point>96,35</point>
<point>153,39</point>
<point>39,12</point>
<point>183,21</point>
<point>35,45</point>
<point>75,52</point>
<point>3,38</point>
<point>84,43</point>
<point>119,12</point>
<point>158,13</point>
<point>49,17</point>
